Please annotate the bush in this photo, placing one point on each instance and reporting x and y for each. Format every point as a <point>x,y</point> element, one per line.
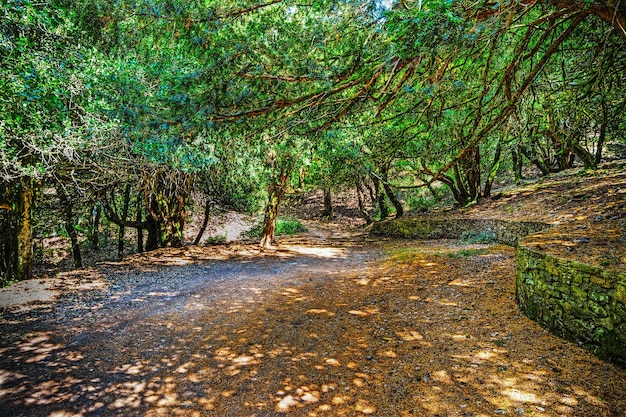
<point>473,236</point>
<point>216,240</point>
<point>284,226</point>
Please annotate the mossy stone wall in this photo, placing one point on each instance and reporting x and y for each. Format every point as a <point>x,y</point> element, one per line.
<point>505,231</point>
<point>582,303</point>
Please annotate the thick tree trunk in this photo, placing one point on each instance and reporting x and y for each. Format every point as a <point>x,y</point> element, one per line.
<point>493,170</point>
<point>380,199</point>
<point>66,206</point>
<point>394,200</point>
<point>276,191</point>
<point>6,243</point>
<point>168,214</point>
<point>205,221</point>
<point>24,258</point>
<point>470,178</point>
<point>152,242</point>
<point>328,204</point>
<point>536,161</point>
<point>271,213</point>
<point>392,196</point>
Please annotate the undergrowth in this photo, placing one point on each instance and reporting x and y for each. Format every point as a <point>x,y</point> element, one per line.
<point>473,236</point>
<point>285,226</point>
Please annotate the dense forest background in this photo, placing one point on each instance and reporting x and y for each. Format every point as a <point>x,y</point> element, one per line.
<point>129,111</point>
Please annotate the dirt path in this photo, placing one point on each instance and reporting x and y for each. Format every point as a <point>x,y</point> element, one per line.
<point>329,324</point>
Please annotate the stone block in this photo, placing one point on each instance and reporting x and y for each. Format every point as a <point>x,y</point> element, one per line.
<point>563,288</point>
<point>604,279</point>
<point>579,293</point>
<point>606,323</point>
<point>580,312</point>
<point>619,310</point>
<point>620,292</point>
<point>599,297</point>
<point>585,268</point>
<point>551,266</point>
<point>597,310</point>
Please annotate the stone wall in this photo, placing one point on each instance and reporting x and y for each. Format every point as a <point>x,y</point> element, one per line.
<point>504,231</point>
<point>582,303</point>
<point>575,300</point>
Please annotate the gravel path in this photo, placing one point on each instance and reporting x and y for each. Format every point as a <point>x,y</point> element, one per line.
<point>327,324</point>
<point>65,359</point>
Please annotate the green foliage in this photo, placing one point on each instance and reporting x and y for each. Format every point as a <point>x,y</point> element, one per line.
<point>216,240</point>
<point>45,85</point>
<point>285,226</point>
<point>420,200</point>
<point>474,236</point>
<point>289,226</point>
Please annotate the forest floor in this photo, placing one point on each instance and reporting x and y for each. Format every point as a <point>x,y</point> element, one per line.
<point>331,322</point>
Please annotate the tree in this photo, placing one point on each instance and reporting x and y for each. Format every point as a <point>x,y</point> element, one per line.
<point>47,114</point>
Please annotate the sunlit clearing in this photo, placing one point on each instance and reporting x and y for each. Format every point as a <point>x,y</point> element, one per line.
<point>461,282</point>
<point>524,397</point>
<point>320,311</point>
<point>318,251</point>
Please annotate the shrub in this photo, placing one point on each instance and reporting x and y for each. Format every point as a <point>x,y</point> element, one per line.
<point>216,240</point>
<point>284,226</point>
<point>474,236</point>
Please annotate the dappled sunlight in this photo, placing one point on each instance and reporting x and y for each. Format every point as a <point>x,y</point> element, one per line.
<point>415,338</point>
<point>322,252</point>
<point>42,293</point>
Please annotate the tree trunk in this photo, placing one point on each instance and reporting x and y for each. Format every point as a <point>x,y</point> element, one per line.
<point>271,213</point>
<point>23,259</point>
<point>603,128</point>
<point>470,165</point>
<point>205,221</point>
<point>152,242</point>
<point>392,196</point>
<point>122,225</point>
<point>517,164</point>
<point>96,215</point>
<point>491,176</point>
<point>380,199</point>
<point>168,214</point>
<point>66,204</point>
<point>6,243</point>
<point>394,200</point>
<point>139,228</point>
<point>584,155</point>
<point>276,191</point>
<point>328,205</point>
<point>360,194</point>
<point>543,167</point>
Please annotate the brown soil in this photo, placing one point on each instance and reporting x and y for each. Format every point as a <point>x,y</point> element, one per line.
<point>330,323</point>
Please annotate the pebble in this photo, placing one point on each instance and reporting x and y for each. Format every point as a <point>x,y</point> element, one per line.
<point>581,240</point>
<point>598,218</point>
